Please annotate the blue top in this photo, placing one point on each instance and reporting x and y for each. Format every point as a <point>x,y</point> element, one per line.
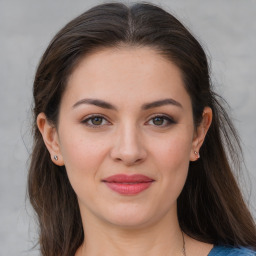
<point>231,251</point>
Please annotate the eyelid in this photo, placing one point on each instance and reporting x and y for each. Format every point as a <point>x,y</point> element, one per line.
<point>168,118</point>
<point>89,117</point>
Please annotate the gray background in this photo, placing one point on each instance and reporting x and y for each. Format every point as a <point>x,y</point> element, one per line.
<point>227,30</point>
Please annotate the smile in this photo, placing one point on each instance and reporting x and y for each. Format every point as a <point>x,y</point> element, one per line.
<point>128,184</point>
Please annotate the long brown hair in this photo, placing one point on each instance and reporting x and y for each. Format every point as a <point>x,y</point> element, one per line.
<point>210,207</point>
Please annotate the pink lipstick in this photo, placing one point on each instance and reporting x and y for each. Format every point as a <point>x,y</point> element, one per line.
<point>128,184</point>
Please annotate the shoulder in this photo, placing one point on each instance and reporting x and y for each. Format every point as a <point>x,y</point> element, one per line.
<point>231,251</point>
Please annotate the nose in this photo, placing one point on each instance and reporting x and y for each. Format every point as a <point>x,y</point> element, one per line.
<point>128,146</point>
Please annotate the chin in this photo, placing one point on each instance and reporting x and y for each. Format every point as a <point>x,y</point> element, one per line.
<point>130,217</point>
<point>130,223</point>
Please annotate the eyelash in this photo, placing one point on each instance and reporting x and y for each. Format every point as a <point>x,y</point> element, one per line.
<point>88,119</point>
<point>168,121</point>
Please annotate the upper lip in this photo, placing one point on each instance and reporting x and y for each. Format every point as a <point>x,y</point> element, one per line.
<point>124,178</point>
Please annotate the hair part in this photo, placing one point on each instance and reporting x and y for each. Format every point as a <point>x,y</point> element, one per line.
<point>210,197</point>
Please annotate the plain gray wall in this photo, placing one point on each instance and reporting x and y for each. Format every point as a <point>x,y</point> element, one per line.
<point>226,28</point>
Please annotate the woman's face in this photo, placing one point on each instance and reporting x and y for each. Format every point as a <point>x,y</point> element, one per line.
<point>126,136</point>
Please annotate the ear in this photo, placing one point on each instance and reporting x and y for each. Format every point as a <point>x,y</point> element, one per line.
<point>200,133</point>
<point>51,139</point>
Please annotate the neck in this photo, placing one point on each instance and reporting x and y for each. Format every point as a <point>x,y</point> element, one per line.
<point>161,238</point>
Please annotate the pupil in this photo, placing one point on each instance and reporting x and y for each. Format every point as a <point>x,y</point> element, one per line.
<point>158,120</point>
<point>97,120</point>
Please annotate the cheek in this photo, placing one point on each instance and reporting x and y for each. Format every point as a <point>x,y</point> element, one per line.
<point>82,158</point>
<point>174,150</point>
<point>79,150</point>
<point>172,158</point>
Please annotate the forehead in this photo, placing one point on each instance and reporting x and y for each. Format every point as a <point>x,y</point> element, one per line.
<point>126,73</point>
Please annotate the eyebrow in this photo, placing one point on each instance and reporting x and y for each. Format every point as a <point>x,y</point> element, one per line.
<point>146,106</point>
<point>160,103</point>
<point>96,102</point>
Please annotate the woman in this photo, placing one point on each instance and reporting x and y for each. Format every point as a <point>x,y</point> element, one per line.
<point>129,155</point>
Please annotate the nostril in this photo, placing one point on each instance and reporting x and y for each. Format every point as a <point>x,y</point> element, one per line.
<point>138,160</point>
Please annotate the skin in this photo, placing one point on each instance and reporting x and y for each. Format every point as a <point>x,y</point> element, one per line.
<point>127,139</point>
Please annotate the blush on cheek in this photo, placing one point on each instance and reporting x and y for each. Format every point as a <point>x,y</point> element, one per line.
<point>174,151</point>
<point>174,161</point>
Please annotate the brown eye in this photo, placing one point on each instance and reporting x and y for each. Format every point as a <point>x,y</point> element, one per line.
<point>97,120</point>
<point>158,120</point>
<point>161,121</point>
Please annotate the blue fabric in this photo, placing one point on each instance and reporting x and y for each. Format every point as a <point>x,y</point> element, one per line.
<point>231,251</point>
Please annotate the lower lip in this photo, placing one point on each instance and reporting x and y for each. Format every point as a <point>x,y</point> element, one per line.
<point>129,189</point>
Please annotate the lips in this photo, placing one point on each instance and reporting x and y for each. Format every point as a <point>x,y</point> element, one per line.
<point>128,184</point>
